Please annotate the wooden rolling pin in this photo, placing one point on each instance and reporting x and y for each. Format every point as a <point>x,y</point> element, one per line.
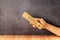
<point>31,20</point>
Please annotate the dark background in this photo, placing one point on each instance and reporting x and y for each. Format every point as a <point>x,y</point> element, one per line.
<point>11,21</point>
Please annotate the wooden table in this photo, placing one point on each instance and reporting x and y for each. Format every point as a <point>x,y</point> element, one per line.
<point>29,37</point>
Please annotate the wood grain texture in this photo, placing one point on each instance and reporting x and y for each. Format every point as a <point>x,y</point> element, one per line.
<point>29,37</point>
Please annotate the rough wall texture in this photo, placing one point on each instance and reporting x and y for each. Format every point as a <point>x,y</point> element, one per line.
<point>11,21</point>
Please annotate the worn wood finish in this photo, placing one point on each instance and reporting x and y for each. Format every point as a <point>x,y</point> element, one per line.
<point>28,37</point>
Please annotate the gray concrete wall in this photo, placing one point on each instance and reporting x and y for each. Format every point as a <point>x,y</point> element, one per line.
<point>11,21</point>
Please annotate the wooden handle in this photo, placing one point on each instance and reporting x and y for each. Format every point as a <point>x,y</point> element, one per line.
<point>32,20</point>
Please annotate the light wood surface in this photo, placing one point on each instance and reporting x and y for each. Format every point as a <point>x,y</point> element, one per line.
<point>29,37</point>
